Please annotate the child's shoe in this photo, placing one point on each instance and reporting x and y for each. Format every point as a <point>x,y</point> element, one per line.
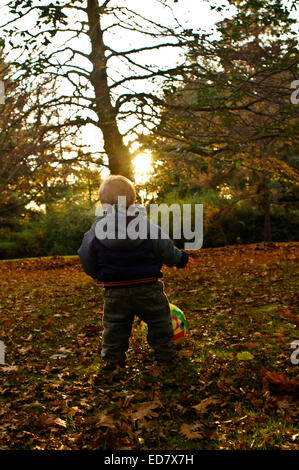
<point>170,361</point>
<point>109,366</point>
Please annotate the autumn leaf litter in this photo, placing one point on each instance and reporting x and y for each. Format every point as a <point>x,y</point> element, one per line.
<point>233,386</point>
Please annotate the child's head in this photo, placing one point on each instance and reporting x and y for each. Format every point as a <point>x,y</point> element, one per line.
<point>115,186</point>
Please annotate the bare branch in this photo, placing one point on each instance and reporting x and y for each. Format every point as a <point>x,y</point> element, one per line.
<point>145,48</point>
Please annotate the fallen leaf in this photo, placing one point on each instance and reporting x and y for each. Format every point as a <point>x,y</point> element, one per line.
<point>155,370</point>
<point>245,356</point>
<point>9,368</point>
<point>60,422</point>
<point>203,405</point>
<point>275,378</point>
<point>250,345</point>
<point>74,410</point>
<point>44,421</point>
<point>287,314</point>
<point>192,431</point>
<point>145,410</point>
<point>102,420</point>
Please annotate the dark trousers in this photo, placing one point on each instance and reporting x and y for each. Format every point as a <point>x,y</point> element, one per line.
<point>150,304</point>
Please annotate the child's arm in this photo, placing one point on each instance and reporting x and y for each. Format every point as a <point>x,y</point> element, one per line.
<point>164,247</point>
<point>87,258</point>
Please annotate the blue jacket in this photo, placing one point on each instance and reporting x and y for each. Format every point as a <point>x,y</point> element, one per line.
<point>123,258</point>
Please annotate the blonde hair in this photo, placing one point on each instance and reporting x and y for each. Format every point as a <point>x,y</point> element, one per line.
<point>115,186</point>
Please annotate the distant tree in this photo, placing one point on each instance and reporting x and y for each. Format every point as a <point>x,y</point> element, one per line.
<point>103,86</point>
<point>33,152</point>
<point>234,108</point>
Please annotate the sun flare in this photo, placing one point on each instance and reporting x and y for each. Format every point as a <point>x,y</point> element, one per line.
<point>143,168</point>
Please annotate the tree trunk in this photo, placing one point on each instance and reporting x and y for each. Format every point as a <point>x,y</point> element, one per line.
<point>266,207</point>
<point>267,222</point>
<point>46,196</point>
<point>119,157</point>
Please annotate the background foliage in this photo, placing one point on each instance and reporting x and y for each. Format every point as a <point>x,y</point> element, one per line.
<point>221,125</point>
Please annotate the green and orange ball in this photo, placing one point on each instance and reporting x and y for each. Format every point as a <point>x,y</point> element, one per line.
<point>179,324</point>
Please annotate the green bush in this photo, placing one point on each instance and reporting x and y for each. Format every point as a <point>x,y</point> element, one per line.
<point>7,249</point>
<point>58,233</point>
<point>225,222</point>
<point>64,230</point>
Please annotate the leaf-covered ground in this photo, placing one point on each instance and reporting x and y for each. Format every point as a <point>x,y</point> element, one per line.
<point>233,387</point>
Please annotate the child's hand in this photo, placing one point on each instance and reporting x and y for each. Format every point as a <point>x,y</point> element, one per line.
<point>190,261</point>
